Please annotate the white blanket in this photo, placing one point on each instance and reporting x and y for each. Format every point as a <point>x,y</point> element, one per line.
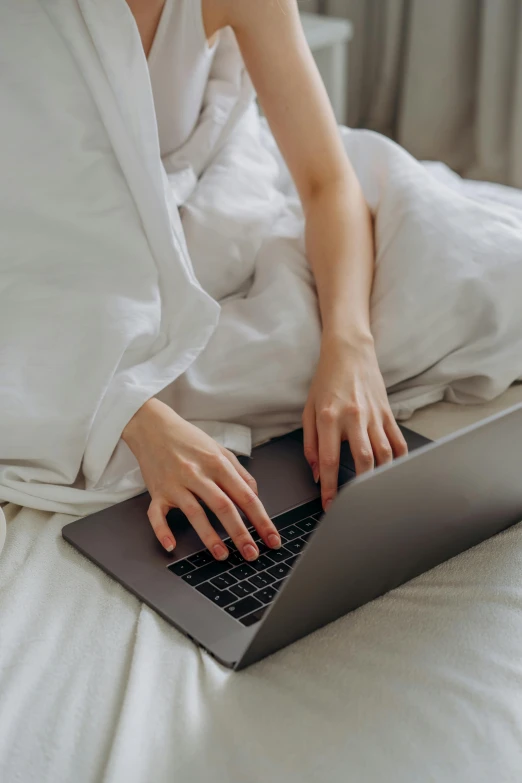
<point>446,303</point>
<point>100,296</point>
<point>424,685</point>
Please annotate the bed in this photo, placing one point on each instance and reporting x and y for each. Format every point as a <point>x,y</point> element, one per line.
<point>424,684</point>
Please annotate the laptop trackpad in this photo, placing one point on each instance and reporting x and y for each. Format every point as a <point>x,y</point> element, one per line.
<point>283,475</point>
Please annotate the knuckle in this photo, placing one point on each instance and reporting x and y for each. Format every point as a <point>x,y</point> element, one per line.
<point>328,415</point>
<point>189,470</point>
<point>365,457</point>
<point>223,505</point>
<point>210,538</point>
<point>215,460</point>
<point>385,450</point>
<point>353,410</point>
<point>309,452</point>
<point>192,509</point>
<point>402,448</point>
<point>389,419</point>
<point>307,415</point>
<point>249,499</point>
<point>243,537</point>
<point>329,461</point>
<point>265,526</point>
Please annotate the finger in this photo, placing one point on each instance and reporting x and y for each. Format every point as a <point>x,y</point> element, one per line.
<point>381,446</point>
<point>228,515</point>
<point>360,446</point>
<point>249,503</point>
<point>157,514</point>
<point>199,521</point>
<point>395,436</point>
<point>243,472</point>
<point>311,445</point>
<point>329,454</point>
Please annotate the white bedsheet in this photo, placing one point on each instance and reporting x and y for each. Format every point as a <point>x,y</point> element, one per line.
<point>424,684</point>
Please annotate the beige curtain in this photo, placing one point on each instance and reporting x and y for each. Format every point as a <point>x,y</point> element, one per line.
<point>442,77</point>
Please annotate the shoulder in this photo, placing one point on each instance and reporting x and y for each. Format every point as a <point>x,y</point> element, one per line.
<point>245,13</point>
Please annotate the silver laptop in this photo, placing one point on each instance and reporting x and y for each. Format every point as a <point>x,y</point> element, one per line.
<point>383,529</point>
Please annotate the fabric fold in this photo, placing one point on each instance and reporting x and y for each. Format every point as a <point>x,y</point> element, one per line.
<point>99,298</point>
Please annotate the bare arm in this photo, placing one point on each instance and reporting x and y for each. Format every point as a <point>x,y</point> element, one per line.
<point>348,398</point>
<point>339,230</point>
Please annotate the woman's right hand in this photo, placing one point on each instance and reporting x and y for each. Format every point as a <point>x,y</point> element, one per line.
<point>181,464</point>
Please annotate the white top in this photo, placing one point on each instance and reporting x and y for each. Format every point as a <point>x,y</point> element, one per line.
<point>179,66</point>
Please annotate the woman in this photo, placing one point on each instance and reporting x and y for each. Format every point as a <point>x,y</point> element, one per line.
<point>347,399</point>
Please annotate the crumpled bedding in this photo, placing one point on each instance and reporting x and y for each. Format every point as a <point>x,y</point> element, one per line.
<point>187,278</point>
<point>424,684</point>
<point>446,303</point>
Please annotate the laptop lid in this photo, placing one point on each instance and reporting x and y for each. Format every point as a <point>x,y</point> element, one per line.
<point>387,527</point>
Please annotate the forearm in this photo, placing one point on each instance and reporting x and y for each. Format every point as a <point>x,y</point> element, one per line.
<point>340,248</point>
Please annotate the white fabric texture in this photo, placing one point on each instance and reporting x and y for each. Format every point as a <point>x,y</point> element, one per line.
<point>449,262</point>
<point>424,684</point>
<point>180,63</point>
<point>99,304</point>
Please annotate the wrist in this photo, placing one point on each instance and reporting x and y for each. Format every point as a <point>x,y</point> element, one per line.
<point>132,432</point>
<point>349,339</point>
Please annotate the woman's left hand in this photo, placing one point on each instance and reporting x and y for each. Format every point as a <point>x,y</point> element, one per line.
<point>348,401</point>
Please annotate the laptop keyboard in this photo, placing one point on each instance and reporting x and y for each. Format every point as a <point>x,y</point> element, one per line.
<point>245,590</point>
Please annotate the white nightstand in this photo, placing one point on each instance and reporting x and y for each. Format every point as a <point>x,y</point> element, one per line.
<point>328,39</point>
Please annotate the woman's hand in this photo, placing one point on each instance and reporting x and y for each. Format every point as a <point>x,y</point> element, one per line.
<point>181,464</point>
<point>348,401</point>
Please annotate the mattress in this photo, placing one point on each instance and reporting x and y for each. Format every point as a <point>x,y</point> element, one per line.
<point>424,684</point>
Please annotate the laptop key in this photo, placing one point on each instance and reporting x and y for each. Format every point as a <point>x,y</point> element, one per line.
<point>223,581</point>
<point>235,559</point>
<point>290,532</point>
<point>182,567</point>
<point>261,580</point>
<point>242,571</point>
<point>243,589</point>
<point>278,555</point>
<point>200,558</point>
<point>207,572</point>
<point>277,585</point>
<point>279,571</point>
<point>291,560</point>
<point>306,525</point>
<point>296,546</point>
<point>261,563</point>
<point>255,617</point>
<point>246,606</point>
<point>219,597</point>
<point>267,595</point>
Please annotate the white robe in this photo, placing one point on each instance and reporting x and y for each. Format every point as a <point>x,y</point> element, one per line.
<point>108,298</point>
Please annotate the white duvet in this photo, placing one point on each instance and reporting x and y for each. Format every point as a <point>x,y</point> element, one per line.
<point>122,278</point>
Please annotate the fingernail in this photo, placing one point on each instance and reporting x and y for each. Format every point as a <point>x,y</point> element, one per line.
<point>220,553</point>
<point>168,544</point>
<point>316,476</point>
<point>274,541</point>
<point>250,552</point>
<point>327,505</point>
